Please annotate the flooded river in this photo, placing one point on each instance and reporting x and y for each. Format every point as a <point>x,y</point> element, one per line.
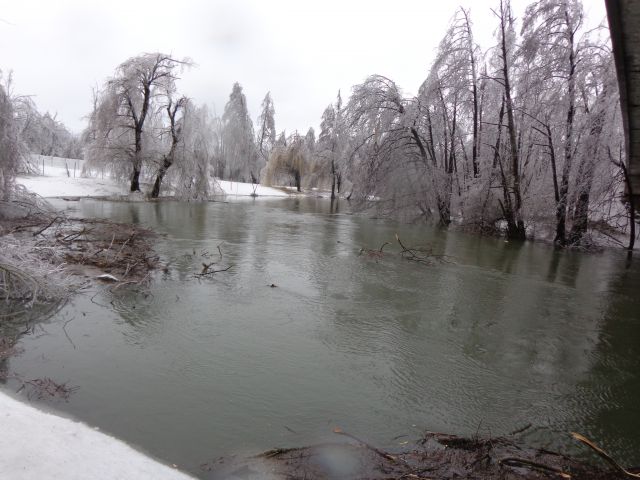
<point>194,368</point>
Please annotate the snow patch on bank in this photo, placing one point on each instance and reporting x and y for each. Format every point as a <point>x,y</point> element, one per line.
<point>61,177</point>
<point>247,189</point>
<point>35,445</point>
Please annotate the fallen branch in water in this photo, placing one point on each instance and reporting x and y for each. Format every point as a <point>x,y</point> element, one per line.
<point>420,254</point>
<point>604,455</point>
<point>375,254</point>
<point>41,388</point>
<point>438,455</point>
<point>206,271</point>
<point>524,463</point>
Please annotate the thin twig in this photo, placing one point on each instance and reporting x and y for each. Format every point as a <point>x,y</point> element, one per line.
<point>389,457</point>
<point>64,329</point>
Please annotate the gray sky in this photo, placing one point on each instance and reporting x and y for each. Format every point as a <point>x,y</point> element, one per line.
<point>301,51</point>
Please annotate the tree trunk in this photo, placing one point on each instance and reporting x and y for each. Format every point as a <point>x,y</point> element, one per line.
<point>135,179</point>
<point>333,179</point>
<point>584,181</point>
<point>155,193</point>
<point>296,176</point>
<point>561,211</point>
<point>516,230</point>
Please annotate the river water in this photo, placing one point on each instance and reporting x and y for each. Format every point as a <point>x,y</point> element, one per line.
<point>502,336</point>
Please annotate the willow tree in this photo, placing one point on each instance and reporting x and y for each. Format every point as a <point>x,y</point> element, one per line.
<point>196,154</point>
<point>124,108</point>
<point>288,160</point>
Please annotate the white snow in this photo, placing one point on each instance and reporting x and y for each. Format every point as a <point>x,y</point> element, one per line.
<point>36,445</point>
<point>56,182</point>
<point>246,189</point>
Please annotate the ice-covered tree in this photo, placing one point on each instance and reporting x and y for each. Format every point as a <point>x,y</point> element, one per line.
<point>175,111</point>
<point>288,161</point>
<point>44,134</point>
<point>192,178</point>
<point>550,30</point>
<point>11,147</point>
<point>124,110</point>
<point>240,156</point>
<point>332,142</point>
<point>266,137</point>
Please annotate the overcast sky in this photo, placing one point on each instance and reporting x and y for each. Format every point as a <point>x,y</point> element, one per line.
<point>301,51</point>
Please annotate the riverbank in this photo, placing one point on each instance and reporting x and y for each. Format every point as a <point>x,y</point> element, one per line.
<point>434,456</point>
<point>35,444</point>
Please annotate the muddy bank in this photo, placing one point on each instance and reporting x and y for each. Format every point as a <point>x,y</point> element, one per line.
<point>435,456</point>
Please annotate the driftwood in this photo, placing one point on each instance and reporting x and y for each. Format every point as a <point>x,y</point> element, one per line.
<point>206,267</point>
<point>435,456</point>
<point>422,255</point>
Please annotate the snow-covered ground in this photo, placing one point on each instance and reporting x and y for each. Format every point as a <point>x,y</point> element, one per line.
<point>36,445</point>
<point>55,183</point>
<point>61,178</point>
<point>246,189</point>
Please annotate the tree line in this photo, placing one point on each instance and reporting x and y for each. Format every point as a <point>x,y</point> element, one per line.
<point>524,137</point>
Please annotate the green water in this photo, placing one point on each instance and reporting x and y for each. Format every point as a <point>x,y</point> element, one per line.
<point>503,336</point>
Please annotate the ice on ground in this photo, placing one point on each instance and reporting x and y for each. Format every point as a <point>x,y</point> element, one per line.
<point>36,445</point>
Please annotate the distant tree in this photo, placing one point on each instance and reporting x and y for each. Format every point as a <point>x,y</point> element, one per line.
<point>44,134</point>
<point>288,160</point>
<point>241,160</point>
<point>266,137</point>
<point>124,108</point>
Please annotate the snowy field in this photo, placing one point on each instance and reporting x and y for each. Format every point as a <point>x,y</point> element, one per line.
<point>36,445</point>
<point>62,178</point>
